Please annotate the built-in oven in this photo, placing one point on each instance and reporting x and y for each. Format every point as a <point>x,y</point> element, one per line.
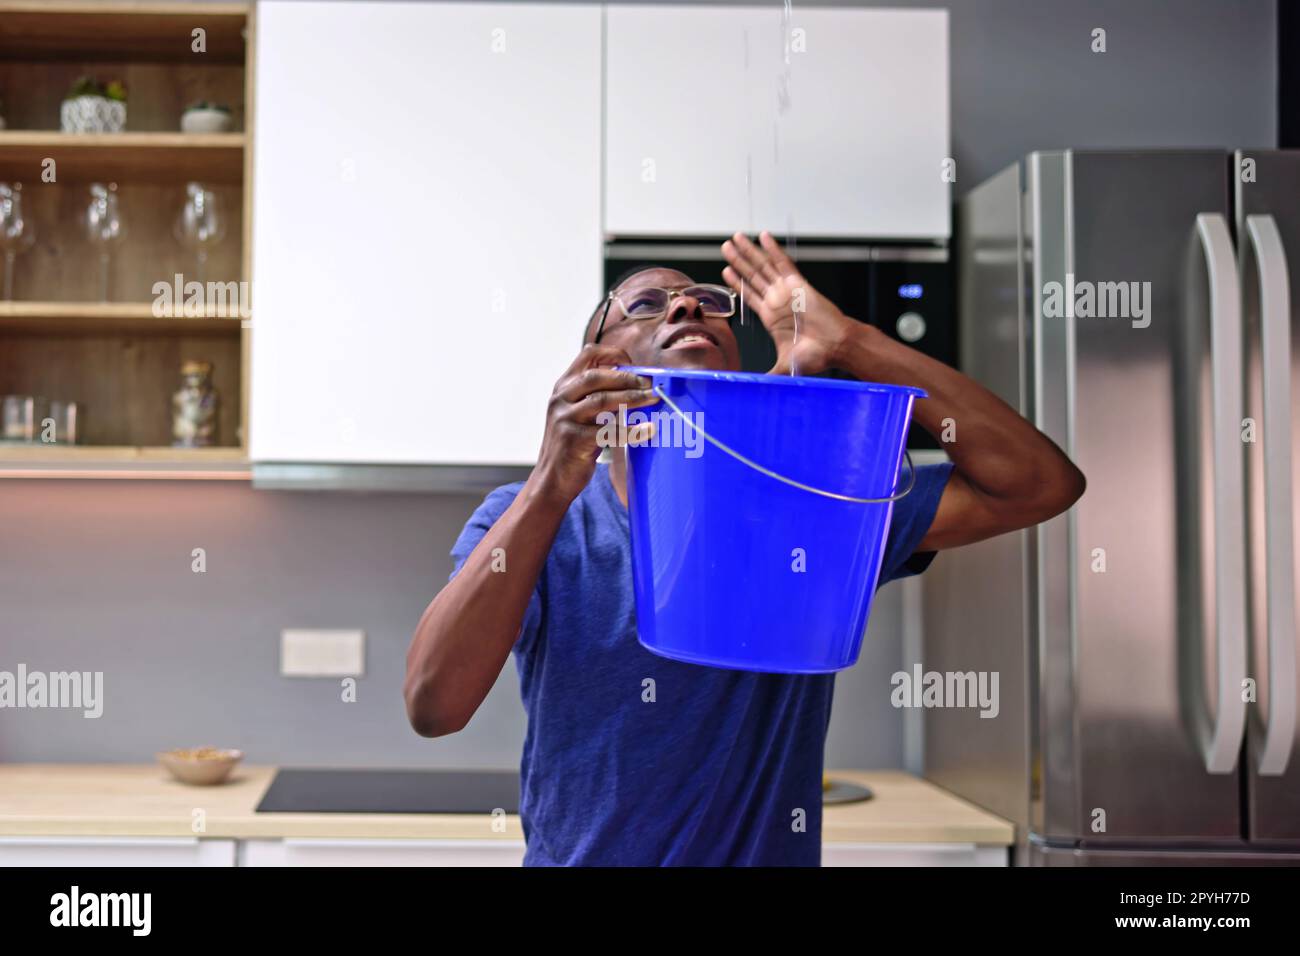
<point>904,290</point>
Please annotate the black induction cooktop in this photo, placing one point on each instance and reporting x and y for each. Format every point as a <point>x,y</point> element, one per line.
<point>391,791</point>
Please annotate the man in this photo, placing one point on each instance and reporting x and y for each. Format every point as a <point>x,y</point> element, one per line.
<point>715,769</point>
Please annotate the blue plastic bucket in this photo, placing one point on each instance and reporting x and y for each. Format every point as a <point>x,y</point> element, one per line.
<point>759,546</point>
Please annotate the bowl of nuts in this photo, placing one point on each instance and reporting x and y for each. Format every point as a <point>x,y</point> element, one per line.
<point>202,766</point>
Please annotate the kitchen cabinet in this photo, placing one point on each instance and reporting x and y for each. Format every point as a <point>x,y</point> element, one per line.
<point>122,814</point>
<point>426,227</point>
<point>707,130</point>
<point>681,103</point>
<point>328,852</point>
<point>913,854</point>
<point>161,851</point>
<point>104,334</point>
<point>115,851</point>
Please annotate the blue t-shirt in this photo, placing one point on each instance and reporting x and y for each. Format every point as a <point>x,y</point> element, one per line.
<point>713,771</point>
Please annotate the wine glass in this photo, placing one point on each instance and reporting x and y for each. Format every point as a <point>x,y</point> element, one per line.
<point>200,225</point>
<point>104,228</point>
<point>17,233</point>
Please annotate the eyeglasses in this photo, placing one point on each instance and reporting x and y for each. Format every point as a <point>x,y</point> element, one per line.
<point>641,305</point>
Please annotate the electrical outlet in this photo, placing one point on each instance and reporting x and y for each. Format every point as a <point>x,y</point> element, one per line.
<point>315,653</point>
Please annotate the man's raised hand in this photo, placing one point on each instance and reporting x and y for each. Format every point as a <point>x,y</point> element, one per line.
<point>785,302</point>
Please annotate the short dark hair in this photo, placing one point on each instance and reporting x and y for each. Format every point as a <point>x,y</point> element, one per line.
<point>622,277</point>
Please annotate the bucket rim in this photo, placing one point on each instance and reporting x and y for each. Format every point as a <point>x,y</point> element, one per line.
<point>764,378</point>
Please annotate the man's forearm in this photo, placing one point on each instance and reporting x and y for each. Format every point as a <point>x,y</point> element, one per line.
<point>999,454</point>
<point>466,634</point>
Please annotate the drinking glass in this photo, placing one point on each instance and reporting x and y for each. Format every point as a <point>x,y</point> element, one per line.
<point>64,415</point>
<point>17,232</point>
<point>105,228</point>
<point>200,225</point>
<point>21,417</point>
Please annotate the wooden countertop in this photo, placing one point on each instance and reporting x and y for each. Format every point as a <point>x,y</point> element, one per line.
<point>143,801</point>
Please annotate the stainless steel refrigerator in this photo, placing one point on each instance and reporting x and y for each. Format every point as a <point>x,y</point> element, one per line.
<point>1141,308</point>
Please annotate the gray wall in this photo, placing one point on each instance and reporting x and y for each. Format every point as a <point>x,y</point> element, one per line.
<point>1176,73</point>
<point>96,575</point>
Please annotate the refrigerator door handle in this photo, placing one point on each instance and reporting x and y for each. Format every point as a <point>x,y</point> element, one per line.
<point>1279,570</point>
<point>1220,738</point>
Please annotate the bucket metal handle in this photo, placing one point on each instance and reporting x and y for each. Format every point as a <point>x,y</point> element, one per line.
<point>911,468</point>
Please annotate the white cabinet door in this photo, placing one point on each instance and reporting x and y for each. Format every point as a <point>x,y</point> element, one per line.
<point>913,854</point>
<point>115,851</point>
<point>325,852</point>
<point>426,226</point>
<point>681,117</point>
<point>861,147</point>
<point>709,130</point>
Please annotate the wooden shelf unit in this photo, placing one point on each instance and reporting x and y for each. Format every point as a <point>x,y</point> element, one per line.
<point>122,461</point>
<point>118,359</point>
<point>103,454</point>
<point>52,30</point>
<point>153,157</point>
<point>111,316</point>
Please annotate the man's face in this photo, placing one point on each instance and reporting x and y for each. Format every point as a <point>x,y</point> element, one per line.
<point>682,338</point>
